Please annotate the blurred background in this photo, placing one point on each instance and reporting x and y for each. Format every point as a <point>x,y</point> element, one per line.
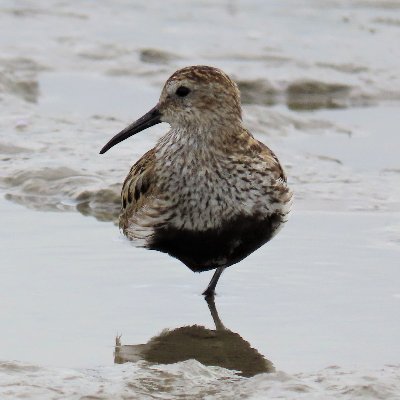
<point>320,85</point>
<point>320,81</point>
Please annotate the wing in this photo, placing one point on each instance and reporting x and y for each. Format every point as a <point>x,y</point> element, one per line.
<point>267,153</point>
<point>248,144</point>
<point>280,195</point>
<point>137,188</point>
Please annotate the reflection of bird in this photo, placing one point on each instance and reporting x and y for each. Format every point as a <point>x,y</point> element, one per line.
<point>219,347</point>
<point>208,193</point>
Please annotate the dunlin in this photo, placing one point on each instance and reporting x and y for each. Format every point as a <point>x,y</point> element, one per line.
<point>209,193</point>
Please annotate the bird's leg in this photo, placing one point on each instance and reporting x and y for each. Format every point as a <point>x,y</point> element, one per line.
<point>210,291</point>
<point>219,326</point>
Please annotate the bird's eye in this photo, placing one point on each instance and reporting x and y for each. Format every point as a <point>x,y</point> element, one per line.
<point>182,91</point>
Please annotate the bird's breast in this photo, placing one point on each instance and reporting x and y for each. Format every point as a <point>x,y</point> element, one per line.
<point>206,193</point>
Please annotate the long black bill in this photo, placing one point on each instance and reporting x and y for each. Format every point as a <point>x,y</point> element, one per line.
<point>148,120</point>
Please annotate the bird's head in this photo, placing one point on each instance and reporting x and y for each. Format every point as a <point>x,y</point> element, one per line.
<point>196,96</point>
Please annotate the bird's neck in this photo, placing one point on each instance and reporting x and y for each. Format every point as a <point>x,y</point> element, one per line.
<point>200,139</point>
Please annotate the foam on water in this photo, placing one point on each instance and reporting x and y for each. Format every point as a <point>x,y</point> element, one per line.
<point>190,379</point>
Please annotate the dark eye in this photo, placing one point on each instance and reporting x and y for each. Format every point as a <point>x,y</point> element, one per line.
<point>182,91</point>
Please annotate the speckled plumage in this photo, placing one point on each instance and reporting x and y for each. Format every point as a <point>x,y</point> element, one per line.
<point>208,193</point>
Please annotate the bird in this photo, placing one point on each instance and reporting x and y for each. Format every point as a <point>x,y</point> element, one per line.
<point>209,193</point>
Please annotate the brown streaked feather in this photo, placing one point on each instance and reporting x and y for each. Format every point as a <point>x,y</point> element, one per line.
<point>138,185</point>
<point>268,153</point>
<point>250,148</point>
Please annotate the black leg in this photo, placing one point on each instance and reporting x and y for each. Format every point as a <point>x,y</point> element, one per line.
<point>219,326</point>
<point>210,291</point>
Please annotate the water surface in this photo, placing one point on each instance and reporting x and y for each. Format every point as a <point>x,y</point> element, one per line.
<point>320,86</point>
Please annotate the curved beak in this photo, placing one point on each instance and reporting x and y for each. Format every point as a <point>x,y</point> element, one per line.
<point>153,117</point>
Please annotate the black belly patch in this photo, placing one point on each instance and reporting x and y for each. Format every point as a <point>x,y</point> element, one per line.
<point>205,250</point>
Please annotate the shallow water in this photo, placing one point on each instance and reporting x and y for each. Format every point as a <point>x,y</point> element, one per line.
<point>74,293</point>
<point>320,86</point>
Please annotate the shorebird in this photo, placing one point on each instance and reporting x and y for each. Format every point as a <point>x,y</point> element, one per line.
<point>208,193</point>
